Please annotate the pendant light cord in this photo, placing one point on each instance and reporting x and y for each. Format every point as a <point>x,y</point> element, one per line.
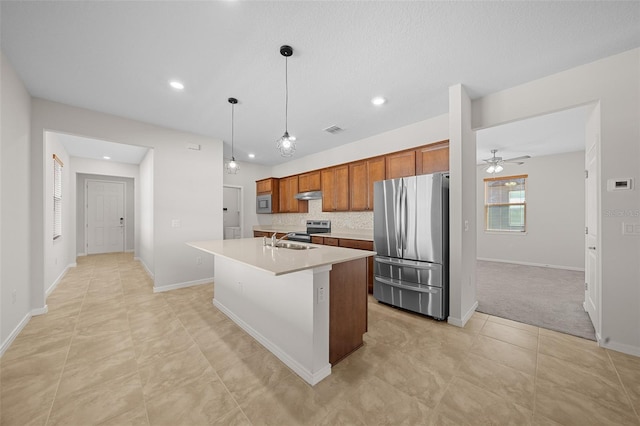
<point>232,108</point>
<point>286,91</point>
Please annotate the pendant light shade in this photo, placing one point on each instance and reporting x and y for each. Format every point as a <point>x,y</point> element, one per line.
<point>232,165</point>
<point>287,143</point>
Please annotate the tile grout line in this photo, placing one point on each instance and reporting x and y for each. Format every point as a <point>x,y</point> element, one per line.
<point>212,367</point>
<point>624,388</point>
<point>535,379</point>
<point>66,358</point>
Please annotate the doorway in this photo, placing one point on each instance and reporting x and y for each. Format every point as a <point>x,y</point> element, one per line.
<point>232,211</point>
<point>547,258</point>
<point>105,217</point>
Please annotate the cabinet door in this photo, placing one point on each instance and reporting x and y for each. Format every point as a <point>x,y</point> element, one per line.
<point>361,245</point>
<point>375,172</point>
<point>342,188</point>
<point>401,164</point>
<point>309,182</point>
<point>433,158</point>
<point>358,186</point>
<point>285,205</point>
<point>328,190</point>
<point>264,186</point>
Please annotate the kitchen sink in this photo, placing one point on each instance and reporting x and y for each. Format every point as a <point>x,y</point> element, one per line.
<point>292,246</point>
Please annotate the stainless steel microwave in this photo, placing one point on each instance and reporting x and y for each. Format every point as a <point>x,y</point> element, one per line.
<point>263,204</point>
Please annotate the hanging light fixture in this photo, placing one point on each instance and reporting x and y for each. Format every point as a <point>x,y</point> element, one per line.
<point>232,165</point>
<point>286,144</point>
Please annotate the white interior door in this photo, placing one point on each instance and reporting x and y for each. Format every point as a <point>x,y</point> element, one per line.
<point>592,281</point>
<point>105,217</point>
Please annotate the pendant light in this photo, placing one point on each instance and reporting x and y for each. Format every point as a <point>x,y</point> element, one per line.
<point>232,165</point>
<point>286,144</point>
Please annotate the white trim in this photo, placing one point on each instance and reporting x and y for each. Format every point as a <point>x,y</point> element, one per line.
<point>619,347</point>
<point>12,336</point>
<point>241,206</point>
<point>466,317</point>
<point>81,254</point>
<point>129,251</point>
<point>542,265</point>
<point>144,265</point>
<point>308,376</point>
<point>53,286</point>
<point>40,311</point>
<point>176,286</point>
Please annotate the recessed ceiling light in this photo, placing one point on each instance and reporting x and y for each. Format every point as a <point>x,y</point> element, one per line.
<point>107,157</point>
<point>176,85</point>
<point>378,100</point>
<point>252,156</point>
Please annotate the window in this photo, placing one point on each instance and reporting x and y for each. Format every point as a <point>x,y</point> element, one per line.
<point>504,204</point>
<point>57,197</point>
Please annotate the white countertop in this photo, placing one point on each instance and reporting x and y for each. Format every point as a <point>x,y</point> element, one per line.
<point>278,261</point>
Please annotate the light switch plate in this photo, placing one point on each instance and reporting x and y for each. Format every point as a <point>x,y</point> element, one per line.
<point>631,229</point>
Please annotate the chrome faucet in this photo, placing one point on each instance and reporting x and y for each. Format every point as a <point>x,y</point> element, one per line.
<point>274,241</point>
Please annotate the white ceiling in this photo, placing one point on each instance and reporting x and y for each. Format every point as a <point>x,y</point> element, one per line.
<point>117,57</point>
<point>78,146</point>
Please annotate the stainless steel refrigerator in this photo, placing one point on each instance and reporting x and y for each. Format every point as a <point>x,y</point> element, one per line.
<point>411,238</point>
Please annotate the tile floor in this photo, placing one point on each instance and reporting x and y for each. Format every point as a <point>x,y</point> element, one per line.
<point>112,352</point>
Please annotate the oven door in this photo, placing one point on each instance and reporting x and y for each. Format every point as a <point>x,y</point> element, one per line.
<point>263,203</point>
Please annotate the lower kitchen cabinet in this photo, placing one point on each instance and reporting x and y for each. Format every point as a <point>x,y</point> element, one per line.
<point>361,245</point>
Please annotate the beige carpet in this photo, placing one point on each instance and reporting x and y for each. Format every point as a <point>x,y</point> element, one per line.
<point>544,297</point>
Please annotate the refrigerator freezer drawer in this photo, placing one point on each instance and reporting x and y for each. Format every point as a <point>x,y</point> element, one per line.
<point>426,301</point>
<point>413,273</point>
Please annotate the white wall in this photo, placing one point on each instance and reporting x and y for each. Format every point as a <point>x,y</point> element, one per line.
<point>15,243</point>
<point>246,178</point>
<point>615,83</point>
<point>57,256</point>
<point>555,215</point>
<point>129,209</point>
<point>187,186</point>
<point>144,214</point>
<point>462,208</point>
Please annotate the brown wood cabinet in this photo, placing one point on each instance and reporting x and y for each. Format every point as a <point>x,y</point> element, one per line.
<point>288,202</point>
<point>266,186</point>
<point>361,245</point>
<point>335,189</point>
<point>317,240</point>
<point>432,158</point>
<point>309,181</point>
<point>257,234</point>
<point>362,175</point>
<point>400,164</point>
<point>329,241</point>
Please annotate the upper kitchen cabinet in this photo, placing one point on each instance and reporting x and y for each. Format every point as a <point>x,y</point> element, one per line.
<point>266,186</point>
<point>362,175</point>
<point>432,158</point>
<point>288,201</point>
<point>335,189</point>
<point>309,181</point>
<point>400,164</point>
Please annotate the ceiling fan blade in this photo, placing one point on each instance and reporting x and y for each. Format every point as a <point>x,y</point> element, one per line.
<point>523,157</point>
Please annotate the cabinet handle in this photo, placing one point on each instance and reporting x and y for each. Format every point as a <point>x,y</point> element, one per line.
<point>405,287</point>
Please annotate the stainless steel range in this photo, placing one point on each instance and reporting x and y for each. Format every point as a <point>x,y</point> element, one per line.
<point>313,227</point>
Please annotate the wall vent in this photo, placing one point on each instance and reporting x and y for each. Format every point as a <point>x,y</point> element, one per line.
<point>333,129</point>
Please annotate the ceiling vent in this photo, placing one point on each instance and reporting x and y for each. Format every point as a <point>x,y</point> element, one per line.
<point>333,130</point>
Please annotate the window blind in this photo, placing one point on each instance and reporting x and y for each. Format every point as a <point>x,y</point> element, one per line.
<point>504,203</point>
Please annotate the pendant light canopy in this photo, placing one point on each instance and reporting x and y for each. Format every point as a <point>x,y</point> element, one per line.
<point>287,143</point>
<point>232,165</point>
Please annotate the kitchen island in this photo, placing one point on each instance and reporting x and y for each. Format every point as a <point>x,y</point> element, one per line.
<point>306,303</point>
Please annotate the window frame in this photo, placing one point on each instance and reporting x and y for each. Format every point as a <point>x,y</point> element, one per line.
<point>57,197</point>
<point>487,205</point>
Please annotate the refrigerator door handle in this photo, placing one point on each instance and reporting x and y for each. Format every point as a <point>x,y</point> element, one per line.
<point>410,265</point>
<point>405,219</point>
<point>404,287</point>
<point>398,213</point>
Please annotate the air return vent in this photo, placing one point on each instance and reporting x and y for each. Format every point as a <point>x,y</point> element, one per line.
<point>333,130</point>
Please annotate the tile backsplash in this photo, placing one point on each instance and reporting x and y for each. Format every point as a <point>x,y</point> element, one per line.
<point>339,220</point>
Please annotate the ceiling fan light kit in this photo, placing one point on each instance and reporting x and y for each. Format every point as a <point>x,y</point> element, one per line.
<point>286,144</point>
<point>232,165</point>
<point>495,163</point>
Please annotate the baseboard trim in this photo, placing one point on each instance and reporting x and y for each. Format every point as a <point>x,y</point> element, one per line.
<point>182,285</point>
<point>146,268</point>
<point>12,336</point>
<point>308,376</point>
<point>40,311</point>
<point>53,286</point>
<point>620,347</point>
<point>460,322</point>
<point>81,254</point>
<point>541,265</point>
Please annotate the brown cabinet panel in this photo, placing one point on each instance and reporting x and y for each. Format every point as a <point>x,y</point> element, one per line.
<point>362,245</point>
<point>432,158</point>
<point>265,186</point>
<point>261,234</point>
<point>329,241</point>
<point>358,193</point>
<point>317,240</point>
<point>400,164</point>
<point>309,181</point>
<point>335,189</point>
<point>287,201</point>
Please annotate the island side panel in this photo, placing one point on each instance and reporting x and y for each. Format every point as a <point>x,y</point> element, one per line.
<point>282,312</point>
<point>347,308</point>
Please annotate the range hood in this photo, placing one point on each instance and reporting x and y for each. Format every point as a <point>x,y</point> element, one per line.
<point>311,195</point>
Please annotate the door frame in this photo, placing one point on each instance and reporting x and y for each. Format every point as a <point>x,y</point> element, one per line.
<point>240,206</point>
<point>86,212</point>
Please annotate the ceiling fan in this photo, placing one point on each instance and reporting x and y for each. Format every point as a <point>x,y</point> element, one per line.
<point>495,163</point>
